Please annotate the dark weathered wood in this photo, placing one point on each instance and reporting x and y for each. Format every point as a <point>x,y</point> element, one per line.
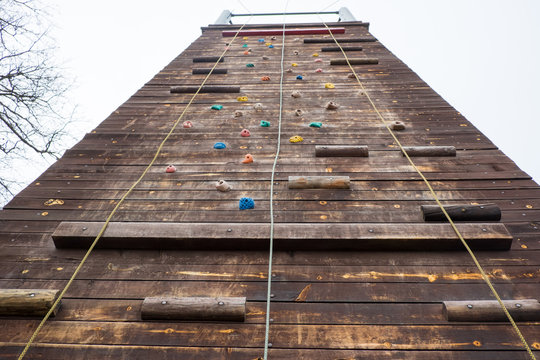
<point>194,308</point>
<point>341,150</point>
<point>27,302</point>
<point>337,48</point>
<point>344,40</point>
<point>359,61</point>
<point>414,151</point>
<point>490,310</point>
<point>203,59</point>
<point>286,236</point>
<point>207,71</point>
<point>319,182</point>
<point>462,212</point>
<point>288,31</point>
<point>205,89</point>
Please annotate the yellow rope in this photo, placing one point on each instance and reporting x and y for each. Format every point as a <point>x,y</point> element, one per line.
<point>104,227</point>
<point>458,233</point>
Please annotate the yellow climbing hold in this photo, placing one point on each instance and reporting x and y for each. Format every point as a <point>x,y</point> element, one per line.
<point>268,44</point>
<point>52,202</point>
<point>242,98</point>
<point>245,38</point>
<point>315,55</point>
<point>294,64</point>
<point>296,138</point>
<point>329,86</point>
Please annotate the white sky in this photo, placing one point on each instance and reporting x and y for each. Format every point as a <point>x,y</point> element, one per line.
<point>482,56</point>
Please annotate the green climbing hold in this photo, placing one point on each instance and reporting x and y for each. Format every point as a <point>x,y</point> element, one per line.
<point>316,124</point>
<point>250,65</point>
<point>265,123</point>
<point>245,45</point>
<point>216,107</point>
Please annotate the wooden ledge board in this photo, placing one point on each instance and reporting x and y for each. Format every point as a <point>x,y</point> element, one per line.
<point>331,41</point>
<point>490,310</point>
<point>287,236</point>
<point>307,31</point>
<point>27,302</point>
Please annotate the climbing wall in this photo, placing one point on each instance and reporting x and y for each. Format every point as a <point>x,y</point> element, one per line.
<point>357,272</point>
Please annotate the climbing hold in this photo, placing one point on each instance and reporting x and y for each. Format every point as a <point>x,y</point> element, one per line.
<point>296,94</point>
<point>270,46</point>
<point>397,125</point>
<point>265,58</point>
<point>245,38</point>
<point>315,124</point>
<point>299,77</point>
<point>250,65</point>
<point>318,60</point>
<point>265,123</point>
<point>170,169</point>
<point>298,112</point>
<point>331,105</point>
<point>296,39</point>
<point>258,107</point>
<point>216,107</point>
<point>315,55</point>
<point>238,113</point>
<point>294,64</point>
<point>245,45</point>
<point>318,70</point>
<point>296,138</point>
<point>187,124</point>
<point>248,159</point>
<point>245,133</point>
<point>265,78</point>
<point>296,52</point>
<point>289,70</point>
<point>273,38</point>
<point>351,76</point>
<point>223,186</point>
<point>329,86</point>
<point>246,203</point>
<point>246,52</point>
<point>249,50</point>
<point>219,145</point>
<point>261,40</point>
<point>242,98</point>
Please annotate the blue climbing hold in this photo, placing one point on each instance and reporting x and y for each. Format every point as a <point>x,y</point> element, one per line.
<point>245,45</point>
<point>270,46</point>
<point>219,145</point>
<point>265,123</point>
<point>316,124</point>
<point>216,107</point>
<point>261,40</point>
<point>246,203</point>
<point>299,77</point>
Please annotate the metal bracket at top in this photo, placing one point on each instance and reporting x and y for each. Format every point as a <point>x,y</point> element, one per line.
<point>344,15</point>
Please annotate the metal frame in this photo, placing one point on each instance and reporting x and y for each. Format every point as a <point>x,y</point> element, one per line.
<point>344,15</point>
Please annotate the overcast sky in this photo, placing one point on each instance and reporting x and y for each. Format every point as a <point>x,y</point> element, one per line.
<point>482,56</point>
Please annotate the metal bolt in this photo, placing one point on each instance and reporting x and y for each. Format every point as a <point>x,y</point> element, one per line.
<point>518,305</point>
<point>271,320</point>
<point>84,228</point>
<point>469,306</point>
<point>229,230</point>
<point>269,344</point>
<point>221,303</point>
<point>163,302</point>
<point>481,207</point>
<point>272,295</point>
<point>370,230</point>
<point>32,295</point>
<point>484,230</point>
<point>274,275</point>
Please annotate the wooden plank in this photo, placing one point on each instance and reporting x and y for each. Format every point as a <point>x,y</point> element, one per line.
<point>462,212</point>
<point>287,236</point>
<point>414,151</point>
<point>491,310</point>
<point>340,40</point>
<point>202,59</point>
<point>319,182</point>
<point>194,308</point>
<point>204,89</point>
<point>27,302</point>
<point>345,48</point>
<point>204,71</point>
<point>354,61</point>
<point>288,31</point>
<point>341,150</point>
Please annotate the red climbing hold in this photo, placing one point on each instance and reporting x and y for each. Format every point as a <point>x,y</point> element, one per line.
<point>245,133</point>
<point>318,60</point>
<point>318,70</point>
<point>170,169</point>
<point>247,159</point>
<point>187,124</point>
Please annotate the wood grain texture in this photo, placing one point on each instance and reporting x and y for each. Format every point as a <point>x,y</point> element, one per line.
<point>27,302</point>
<point>194,308</point>
<point>462,212</point>
<point>490,310</point>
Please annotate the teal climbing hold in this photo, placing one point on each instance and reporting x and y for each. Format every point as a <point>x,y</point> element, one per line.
<point>265,123</point>
<point>219,145</point>
<point>250,65</point>
<point>316,124</point>
<point>245,45</point>
<point>216,107</point>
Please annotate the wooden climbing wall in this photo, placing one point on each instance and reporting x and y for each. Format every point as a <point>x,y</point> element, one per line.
<point>325,305</point>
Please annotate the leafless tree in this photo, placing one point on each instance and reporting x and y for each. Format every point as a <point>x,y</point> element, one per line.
<point>32,90</point>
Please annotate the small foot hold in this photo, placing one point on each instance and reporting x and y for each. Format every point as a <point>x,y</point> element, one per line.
<point>397,125</point>
<point>332,105</point>
<point>170,169</point>
<point>223,186</point>
<point>246,203</point>
<point>245,133</point>
<point>187,124</point>
<point>265,123</point>
<point>248,159</point>
<point>296,94</point>
<point>219,145</point>
<point>296,138</point>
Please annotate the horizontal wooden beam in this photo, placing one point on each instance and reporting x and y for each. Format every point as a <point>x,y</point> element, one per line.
<point>490,310</point>
<point>263,32</point>
<point>319,182</point>
<point>464,212</point>
<point>417,151</point>
<point>27,302</point>
<point>341,150</point>
<point>198,71</point>
<point>205,89</point>
<point>329,41</point>
<point>337,48</point>
<point>288,236</point>
<point>358,61</point>
<point>202,59</point>
<point>194,308</point>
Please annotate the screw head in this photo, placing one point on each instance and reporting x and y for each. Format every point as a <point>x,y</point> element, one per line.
<point>271,320</point>
<point>518,305</point>
<point>370,230</point>
<point>484,230</point>
<point>469,306</point>
<point>163,302</point>
<point>84,228</point>
<point>221,303</point>
<point>269,344</point>
<point>272,295</point>
<point>32,295</point>
<point>229,230</point>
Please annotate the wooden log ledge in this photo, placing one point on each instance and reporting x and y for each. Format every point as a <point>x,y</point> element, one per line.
<point>341,150</point>
<point>194,308</point>
<point>465,212</point>
<point>357,61</point>
<point>490,310</point>
<point>288,236</point>
<point>319,182</point>
<point>27,302</point>
<point>205,71</point>
<point>345,48</point>
<point>205,89</point>
<point>202,59</point>
<point>331,41</point>
<point>417,151</point>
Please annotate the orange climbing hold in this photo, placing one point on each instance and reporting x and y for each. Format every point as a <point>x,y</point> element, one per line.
<point>265,78</point>
<point>296,138</point>
<point>245,133</point>
<point>247,159</point>
<point>246,52</point>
